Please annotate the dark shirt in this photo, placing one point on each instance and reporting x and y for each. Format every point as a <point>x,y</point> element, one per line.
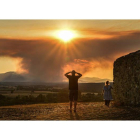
<point>73,82</point>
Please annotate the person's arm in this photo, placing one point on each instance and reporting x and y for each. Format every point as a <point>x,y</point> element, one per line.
<point>67,74</point>
<point>79,74</point>
<point>103,91</point>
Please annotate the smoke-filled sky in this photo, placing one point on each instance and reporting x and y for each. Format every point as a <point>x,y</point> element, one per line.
<point>33,47</point>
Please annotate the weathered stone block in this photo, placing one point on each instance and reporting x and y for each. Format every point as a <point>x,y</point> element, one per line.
<point>126,74</point>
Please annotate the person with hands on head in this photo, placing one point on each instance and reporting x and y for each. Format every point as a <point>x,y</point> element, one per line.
<point>73,87</point>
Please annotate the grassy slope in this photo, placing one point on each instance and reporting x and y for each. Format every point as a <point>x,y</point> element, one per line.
<point>60,111</point>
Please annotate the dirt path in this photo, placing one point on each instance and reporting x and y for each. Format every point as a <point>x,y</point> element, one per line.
<point>60,111</point>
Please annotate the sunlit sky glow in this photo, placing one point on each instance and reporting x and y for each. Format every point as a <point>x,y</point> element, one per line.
<point>92,45</point>
<point>66,35</point>
<point>42,28</point>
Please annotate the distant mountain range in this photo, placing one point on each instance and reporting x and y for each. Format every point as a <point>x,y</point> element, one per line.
<point>15,77</point>
<point>12,77</point>
<point>93,80</point>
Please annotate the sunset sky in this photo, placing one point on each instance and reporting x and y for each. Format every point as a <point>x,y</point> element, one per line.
<point>38,48</point>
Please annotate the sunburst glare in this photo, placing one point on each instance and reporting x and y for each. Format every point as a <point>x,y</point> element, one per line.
<point>66,35</point>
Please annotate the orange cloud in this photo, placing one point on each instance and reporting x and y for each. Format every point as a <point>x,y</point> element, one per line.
<point>91,68</point>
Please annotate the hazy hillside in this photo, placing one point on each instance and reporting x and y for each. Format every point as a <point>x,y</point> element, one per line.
<point>93,80</point>
<point>16,77</point>
<point>11,77</point>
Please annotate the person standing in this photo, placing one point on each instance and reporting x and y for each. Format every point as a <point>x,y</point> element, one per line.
<point>73,88</point>
<point>107,93</point>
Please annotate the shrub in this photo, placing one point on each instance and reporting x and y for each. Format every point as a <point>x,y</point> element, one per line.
<point>40,98</point>
<point>2,97</point>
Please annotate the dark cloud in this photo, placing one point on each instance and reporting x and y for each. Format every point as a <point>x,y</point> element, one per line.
<point>108,48</point>
<point>45,59</point>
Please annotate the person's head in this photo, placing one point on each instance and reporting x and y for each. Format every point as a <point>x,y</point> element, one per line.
<point>107,83</point>
<point>73,72</point>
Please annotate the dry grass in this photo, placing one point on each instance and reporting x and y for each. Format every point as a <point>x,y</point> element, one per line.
<point>60,111</point>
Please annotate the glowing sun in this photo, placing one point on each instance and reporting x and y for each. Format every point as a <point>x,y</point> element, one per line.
<point>66,35</point>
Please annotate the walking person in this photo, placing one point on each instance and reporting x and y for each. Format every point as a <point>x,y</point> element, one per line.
<point>73,88</point>
<point>107,93</point>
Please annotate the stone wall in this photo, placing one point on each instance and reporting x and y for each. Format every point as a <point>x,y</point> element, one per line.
<point>127,79</point>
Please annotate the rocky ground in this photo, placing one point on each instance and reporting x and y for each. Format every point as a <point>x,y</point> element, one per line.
<point>60,111</point>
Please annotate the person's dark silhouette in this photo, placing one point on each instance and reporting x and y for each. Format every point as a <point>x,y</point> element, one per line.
<point>73,88</point>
